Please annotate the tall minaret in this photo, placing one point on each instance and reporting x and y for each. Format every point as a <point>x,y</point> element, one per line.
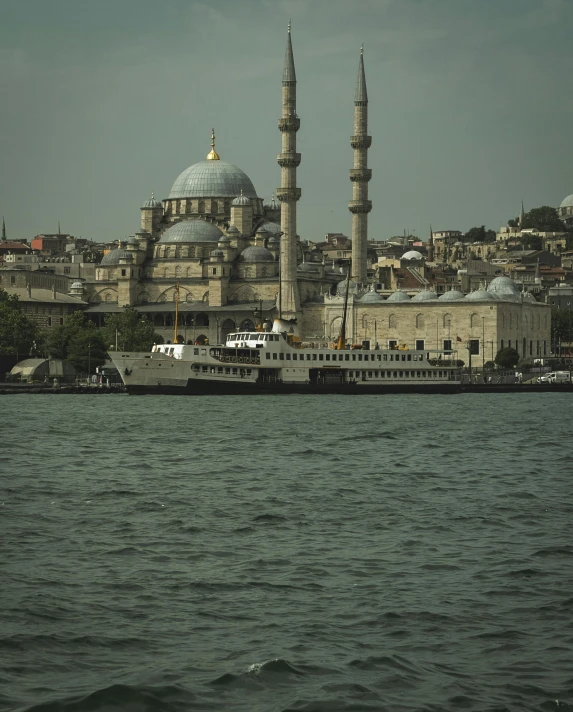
<point>3,229</point>
<point>288,193</point>
<point>360,206</point>
<point>430,248</point>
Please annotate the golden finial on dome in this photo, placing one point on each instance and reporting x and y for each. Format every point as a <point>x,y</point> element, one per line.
<point>213,155</point>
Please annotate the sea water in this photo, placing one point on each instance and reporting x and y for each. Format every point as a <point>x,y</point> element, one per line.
<point>286,553</point>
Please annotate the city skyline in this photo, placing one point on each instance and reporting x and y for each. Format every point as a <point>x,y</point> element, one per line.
<point>104,105</point>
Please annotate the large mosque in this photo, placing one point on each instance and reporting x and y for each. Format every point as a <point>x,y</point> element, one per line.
<point>222,257</point>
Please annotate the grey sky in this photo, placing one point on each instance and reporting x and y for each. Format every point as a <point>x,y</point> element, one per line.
<point>104,101</point>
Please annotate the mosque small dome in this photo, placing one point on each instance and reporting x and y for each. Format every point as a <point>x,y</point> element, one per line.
<point>143,233</point>
<point>256,253</point>
<point>273,240</point>
<point>567,202</point>
<point>212,179</point>
<point>241,200</point>
<point>77,285</point>
<point>424,296</point>
<point>193,230</point>
<point>452,296</point>
<point>225,240</point>
<point>412,255</point>
<point>341,288</point>
<point>272,227</point>
<point>114,256</point>
<point>132,241</point>
<point>152,203</point>
<point>233,230</point>
<point>528,297</point>
<point>371,298</point>
<point>398,296</point>
<point>503,285</point>
<point>272,203</point>
<point>480,295</point>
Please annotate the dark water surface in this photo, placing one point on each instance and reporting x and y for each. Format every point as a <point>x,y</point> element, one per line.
<point>290,553</point>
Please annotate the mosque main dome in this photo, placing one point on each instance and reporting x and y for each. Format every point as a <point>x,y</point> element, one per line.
<point>212,178</point>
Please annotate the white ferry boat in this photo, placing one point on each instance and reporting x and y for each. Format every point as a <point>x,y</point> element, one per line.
<point>276,361</point>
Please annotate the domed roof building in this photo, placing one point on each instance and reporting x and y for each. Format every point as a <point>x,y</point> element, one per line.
<point>480,295</point>
<point>452,296</point>
<point>565,210</point>
<point>256,253</point>
<point>398,296</point>
<point>371,297</point>
<point>424,296</point>
<point>413,255</point>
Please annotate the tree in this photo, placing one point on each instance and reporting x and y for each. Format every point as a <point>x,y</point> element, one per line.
<point>131,331</point>
<point>543,219</point>
<point>79,341</point>
<point>18,334</point>
<point>507,358</point>
<point>561,326</point>
<point>532,242</point>
<point>479,234</point>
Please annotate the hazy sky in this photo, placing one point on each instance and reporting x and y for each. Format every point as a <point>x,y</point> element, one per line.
<point>104,101</point>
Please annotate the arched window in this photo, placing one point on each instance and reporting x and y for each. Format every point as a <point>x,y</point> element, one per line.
<point>392,321</point>
<point>447,321</point>
<point>474,321</point>
<point>165,273</point>
<point>420,322</point>
<point>189,271</point>
<point>201,206</point>
<point>215,207</point>
<point>178,271</point>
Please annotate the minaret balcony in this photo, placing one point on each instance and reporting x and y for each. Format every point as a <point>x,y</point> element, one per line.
<point>287,195</point>
<point>360,174</point>
<point>288,160</point>
<point>358,207</point>
<point>361,141</point>
<point>291,123</point>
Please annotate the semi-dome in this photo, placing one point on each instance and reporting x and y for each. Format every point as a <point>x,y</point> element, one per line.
<point>528,297</point>
<point>412,255</point>
<point>212,179</point>
<point>371,298</point>
<point>398,296</point>
<point>567,202</point>
<point>114,256</point>
<point>241,200</point>
<point>152,203</point>
<point>503,285</point>
<point>256,253</point>
<point>193,230</point>
<point>271,227</point>
<point>452,296</point>
<point>424,296</point>
<point>480,295</point>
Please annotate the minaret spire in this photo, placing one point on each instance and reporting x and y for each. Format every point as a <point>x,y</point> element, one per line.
<point>522,215</point>
<point>289,194</point>
<point>430,248</point>
<point>3,228</point>
<point>360,174</point>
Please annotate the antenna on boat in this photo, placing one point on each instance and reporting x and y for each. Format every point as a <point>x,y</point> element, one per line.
<point>341,343</point>
<point>176,313</point>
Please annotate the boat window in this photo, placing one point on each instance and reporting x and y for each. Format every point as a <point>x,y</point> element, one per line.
<point>369,374</point>
<point>347,357</point>
<point>378,357</point>
<point>401,374</point>
<point>234,372</point>
<point>385,357</point>
<point>409,357</point>
<point>395,374</point>
<point>282,357</point>
<point>227,370</point>
<point>267,355</point>
<point>295,357</point>
<point>382,374</point>
<point>308,357</point>
<point>274,357</point>
<point>354,357</point>
<point>406,373</point>
<point>320,357</point>
<point>204,369</point>
<point>328,357</point>
<point>360,357</point>
<point>424,374</point>
<point>219,369</point>
<point>196,352</point>
<point>403,357</point>
<point>288,357</point>
<point>418,374</point>
<point>375,374</point>
<point>249,372</point>
<point>314,357</point>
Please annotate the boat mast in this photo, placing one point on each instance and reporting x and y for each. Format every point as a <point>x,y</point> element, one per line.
<point>176,313</point>
<point>341,343</point>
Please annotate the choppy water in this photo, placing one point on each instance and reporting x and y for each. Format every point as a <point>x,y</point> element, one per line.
<point>293,553</point>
